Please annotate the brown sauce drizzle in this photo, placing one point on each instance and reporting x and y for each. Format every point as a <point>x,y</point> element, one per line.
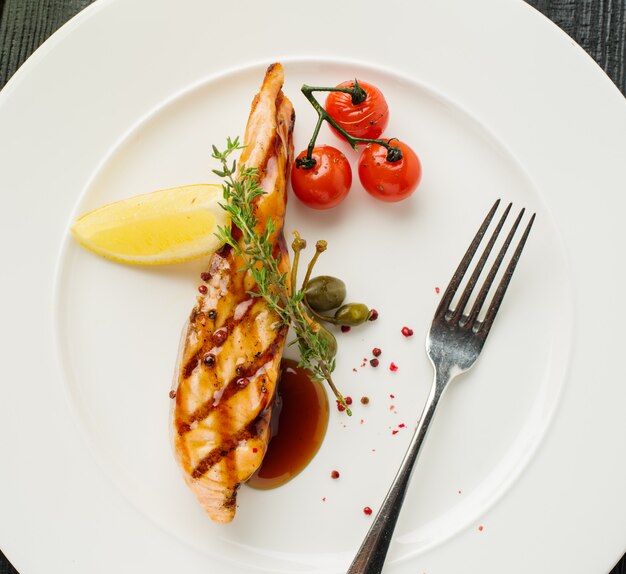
<point>299,423</point>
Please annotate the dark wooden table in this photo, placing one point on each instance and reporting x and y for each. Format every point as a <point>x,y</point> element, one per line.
<point>599,26</point>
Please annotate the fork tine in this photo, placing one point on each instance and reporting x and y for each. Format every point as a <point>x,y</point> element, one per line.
<point>467,292</point>
<point>450,291</point>
<point>482,295</point>
<point>485,326</point>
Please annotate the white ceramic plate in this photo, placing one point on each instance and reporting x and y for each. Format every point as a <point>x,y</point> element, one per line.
<point>523,463</point>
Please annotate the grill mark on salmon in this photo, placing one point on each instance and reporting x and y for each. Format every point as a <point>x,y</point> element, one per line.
<point>234,385</point>
<point>220,427</point>
<point>223,450</point>
<point>191,364</point>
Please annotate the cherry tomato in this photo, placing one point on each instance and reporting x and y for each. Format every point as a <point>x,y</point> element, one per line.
<point>385,180</point>
<point>365,120</point>
<point>327,183</point>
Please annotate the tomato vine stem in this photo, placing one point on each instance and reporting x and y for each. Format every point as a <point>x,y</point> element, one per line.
<point>394,153</point>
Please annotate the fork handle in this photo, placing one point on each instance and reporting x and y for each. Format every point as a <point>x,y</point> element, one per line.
<point>371,555</point>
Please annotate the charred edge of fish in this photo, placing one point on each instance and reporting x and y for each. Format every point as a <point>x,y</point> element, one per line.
<point>225,249</point>
<point>290,123</point>
<point>194,315</point>
<point>199,317</point>
<point>191,364</point>
<point>231,500</point>
<point>222,451</point>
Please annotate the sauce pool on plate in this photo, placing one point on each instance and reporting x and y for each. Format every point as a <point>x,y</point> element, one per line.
<point>299,423</point>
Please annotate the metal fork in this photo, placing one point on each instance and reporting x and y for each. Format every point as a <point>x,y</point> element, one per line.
<point>453,344</point>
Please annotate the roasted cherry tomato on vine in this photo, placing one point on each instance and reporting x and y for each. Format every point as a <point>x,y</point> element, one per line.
<point>389,180</point>
<point>366,119</point>
<point>327,183</point>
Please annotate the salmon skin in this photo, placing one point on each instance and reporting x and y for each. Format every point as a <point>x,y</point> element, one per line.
<point>232,345</point>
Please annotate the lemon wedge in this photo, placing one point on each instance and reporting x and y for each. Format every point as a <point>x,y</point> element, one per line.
<point>166,226</point>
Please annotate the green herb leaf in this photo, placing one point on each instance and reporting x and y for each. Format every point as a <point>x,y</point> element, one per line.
<point>241,189</point>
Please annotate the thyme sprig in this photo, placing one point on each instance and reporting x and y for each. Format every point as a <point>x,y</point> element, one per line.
<point>255,246</point>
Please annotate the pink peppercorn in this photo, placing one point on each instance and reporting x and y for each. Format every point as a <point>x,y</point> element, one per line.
<point>374,362</point>
<point>393,367</point>
<point>220,336</point>
<point>348,400</point>
<point>376,352</point>
<point>367,511</point>
<point>373,315</point>
<point>345,328</point>
<point>407,332</point>
<point>205,276</point>
<point>202,289</point>
<point>334,474</point>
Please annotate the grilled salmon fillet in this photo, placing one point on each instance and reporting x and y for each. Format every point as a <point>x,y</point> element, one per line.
<point>232,346</point>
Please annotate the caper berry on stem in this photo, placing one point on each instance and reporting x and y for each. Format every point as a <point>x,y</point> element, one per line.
<point>351,314</point>
<point>331,343</point>
<point>324,293</point>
